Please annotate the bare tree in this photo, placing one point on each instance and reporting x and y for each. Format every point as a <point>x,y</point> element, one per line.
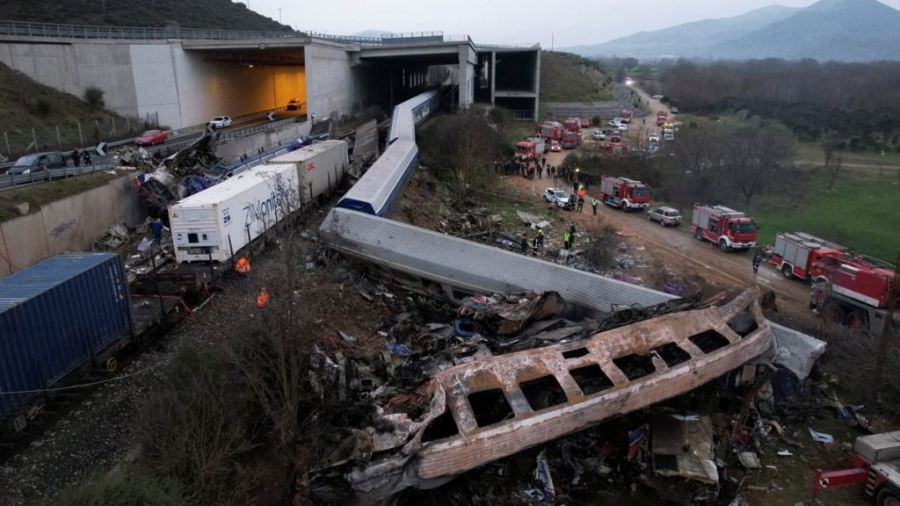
<point>758,159</point>
<point>834,157</point>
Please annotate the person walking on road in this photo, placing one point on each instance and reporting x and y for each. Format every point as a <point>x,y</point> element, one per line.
<point>594,203</point>
<point>580,204</point>
<point>567,240</point>
<point>76,157</point>
<point>524,244</point>
<point>757,259</point>
<point>242,268</point>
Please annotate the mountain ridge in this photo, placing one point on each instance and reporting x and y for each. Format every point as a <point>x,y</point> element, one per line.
<point>848,30</point>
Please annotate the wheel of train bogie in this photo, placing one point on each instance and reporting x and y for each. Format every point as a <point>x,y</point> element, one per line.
<point>887,497</point>
<point>856,320</point>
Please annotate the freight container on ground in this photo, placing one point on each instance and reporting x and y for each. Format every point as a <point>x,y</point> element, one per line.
<point>55,316</point>
<point>216,223</point>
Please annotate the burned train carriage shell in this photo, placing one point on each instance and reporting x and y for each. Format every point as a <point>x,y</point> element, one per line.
<point>54,317</point>
<point>488,409</point>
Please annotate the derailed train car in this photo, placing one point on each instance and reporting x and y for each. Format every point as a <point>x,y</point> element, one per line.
<point>55,317</point>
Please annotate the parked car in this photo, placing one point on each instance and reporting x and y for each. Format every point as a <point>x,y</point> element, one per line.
<point>559,197</point>
<point>666,216</point>
<point>293,104</point>
<point>673,110</point>
<point>220,122</point>
<point>554,146</point>
<point>658,97</point>
<point>669,136</point>
<point>151,137</point>
<point>654,136</point>
<point>598,135</point>
<point>615,137</point>
<point>30,164</point>
<point>615,122</point>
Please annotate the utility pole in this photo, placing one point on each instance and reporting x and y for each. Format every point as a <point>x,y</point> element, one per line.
<point>887,332</point>
<point>279,14</point>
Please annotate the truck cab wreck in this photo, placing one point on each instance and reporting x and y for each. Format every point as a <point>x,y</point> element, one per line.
<point>475,409</point>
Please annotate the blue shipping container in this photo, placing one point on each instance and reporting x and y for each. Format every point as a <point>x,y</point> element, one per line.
<point>52,315</point>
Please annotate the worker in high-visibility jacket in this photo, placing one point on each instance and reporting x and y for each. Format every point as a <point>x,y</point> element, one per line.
<point>262,301</point>
<point>242,268</point>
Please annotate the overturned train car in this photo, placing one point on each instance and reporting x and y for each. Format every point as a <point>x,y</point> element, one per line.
<point>485,410</point>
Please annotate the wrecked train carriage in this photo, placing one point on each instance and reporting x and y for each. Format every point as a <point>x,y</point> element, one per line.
<point>496,407</point>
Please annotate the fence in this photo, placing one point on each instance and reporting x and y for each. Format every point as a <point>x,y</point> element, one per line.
<point>67,135</point>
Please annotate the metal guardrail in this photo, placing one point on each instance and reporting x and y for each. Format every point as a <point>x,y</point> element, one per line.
<point>60,31</point>
<point>10,182</point>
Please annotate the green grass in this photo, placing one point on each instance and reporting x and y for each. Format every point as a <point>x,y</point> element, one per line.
<point>565,78</point>
<point>860,213</point>
<point>44,193</point>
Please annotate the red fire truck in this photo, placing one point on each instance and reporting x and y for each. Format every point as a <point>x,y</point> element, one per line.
<point>876,463</point>
<point>626,115</point>
<point>730,229</point>
<point>795,254</point>
<point>626,194</point>
<point>612,148</point>
<point>586,122</point>
<point>572,125</point>
<point>530,148</point>
<point>570,139</point>
<point>550,130</point>
<point>661,117</point>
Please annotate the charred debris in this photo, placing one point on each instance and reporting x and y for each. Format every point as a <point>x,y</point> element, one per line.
<point>508,394</point>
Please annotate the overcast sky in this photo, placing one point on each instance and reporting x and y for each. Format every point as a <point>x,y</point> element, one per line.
<point>566,23</point>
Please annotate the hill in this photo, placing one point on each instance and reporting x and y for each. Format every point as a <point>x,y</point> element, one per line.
<point>843,30</point>
<point>567,77</point>
<point>213,14</point>
<point>30,111</point>
<point>688,39</point>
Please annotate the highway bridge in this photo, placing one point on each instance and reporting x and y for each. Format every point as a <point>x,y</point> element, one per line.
<point>185,76</point>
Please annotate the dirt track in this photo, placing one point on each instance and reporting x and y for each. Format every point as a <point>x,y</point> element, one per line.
<point>675,248</point>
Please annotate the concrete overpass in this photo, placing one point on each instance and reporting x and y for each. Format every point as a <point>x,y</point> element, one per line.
<point>183,77</point>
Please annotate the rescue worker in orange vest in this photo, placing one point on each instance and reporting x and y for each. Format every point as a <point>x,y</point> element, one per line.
<point>262,301</point>
<point>242,267</point>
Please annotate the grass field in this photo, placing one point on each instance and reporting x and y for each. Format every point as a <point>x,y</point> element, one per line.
<point>44,193</point>
<point>860,213</point>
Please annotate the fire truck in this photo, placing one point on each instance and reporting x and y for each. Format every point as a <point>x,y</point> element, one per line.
<point>624,193</point>
<point>586,122</point>
<point>612,148</point>
<point>729,229</point>
<point>626,115</point>
<point>876,463</point>
<point>530,148</point>
<point>661,117</point>
<point>573,125</point>
<point>550,130</point>
<point>854,292</point>
<point>570,140</point>
<point>795,254</point>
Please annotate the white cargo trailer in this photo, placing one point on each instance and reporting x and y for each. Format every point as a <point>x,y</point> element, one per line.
<point>219,221</point>
<point>320,166</point>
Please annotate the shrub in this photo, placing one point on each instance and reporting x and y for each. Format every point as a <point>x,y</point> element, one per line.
<point>128,488</point>
<point>94,97</point>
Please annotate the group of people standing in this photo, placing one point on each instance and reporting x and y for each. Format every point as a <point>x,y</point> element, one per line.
<point>80,157</point>
<point>527,168</point>
<point>537,241</point>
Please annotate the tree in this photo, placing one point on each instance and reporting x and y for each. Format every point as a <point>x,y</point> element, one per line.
<point>834,157</point>
<point>94,97</point>
<point>758,159</point>
<point>462,148</point>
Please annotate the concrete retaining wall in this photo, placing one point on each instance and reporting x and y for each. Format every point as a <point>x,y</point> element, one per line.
<point>233,150</point>
<point>71,224</point>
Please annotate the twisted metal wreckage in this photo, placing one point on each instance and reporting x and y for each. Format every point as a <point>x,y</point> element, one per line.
<point>477,407</point>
